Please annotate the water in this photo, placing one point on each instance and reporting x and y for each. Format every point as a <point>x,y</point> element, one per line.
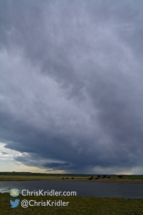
<point>98,189</point>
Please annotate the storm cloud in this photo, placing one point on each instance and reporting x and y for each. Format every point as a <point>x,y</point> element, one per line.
<point>71,88</point>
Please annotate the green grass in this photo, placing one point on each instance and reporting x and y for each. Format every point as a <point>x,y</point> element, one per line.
<point>77,206</point>
<point>36,176</point>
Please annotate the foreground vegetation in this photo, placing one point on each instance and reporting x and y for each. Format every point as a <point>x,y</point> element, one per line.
<point>77,205</point>
<point>14,176</point>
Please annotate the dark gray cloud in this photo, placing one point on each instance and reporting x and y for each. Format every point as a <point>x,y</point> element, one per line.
<point>4,153</point>
<point>71,83</point>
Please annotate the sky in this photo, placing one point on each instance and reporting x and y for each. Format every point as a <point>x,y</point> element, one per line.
<point>71,86</point>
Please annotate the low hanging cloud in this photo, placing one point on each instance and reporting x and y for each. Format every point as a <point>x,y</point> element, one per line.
<point>71,84</point>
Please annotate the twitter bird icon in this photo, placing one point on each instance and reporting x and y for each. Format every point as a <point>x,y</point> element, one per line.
<point>15,203</point>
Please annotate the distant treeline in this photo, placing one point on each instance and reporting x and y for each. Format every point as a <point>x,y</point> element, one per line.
<point>70,175</point>
<point>47,174</point>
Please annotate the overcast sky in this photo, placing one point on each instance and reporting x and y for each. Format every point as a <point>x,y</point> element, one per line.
<point>71,86</point>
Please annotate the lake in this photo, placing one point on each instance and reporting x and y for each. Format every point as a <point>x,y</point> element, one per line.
<point>91,189</point>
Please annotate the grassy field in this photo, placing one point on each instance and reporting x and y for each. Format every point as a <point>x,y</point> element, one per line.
<point>77,206</point>
<point>36,176</point>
